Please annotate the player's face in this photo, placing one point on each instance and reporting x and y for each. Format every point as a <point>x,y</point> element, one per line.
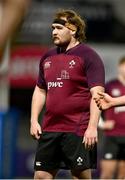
<point>61,35</point>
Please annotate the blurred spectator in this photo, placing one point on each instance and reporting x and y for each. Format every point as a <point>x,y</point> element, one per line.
<point>114,128</point>
<point>12,14</point>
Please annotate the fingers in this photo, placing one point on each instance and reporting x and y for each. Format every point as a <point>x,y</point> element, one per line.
<point>39,130</point>
<point>98,103</point>
<point>35,130</point>
<point>98,100</point>
<point>36,134</point>
<point>89,143</point>
<point>101,94</point>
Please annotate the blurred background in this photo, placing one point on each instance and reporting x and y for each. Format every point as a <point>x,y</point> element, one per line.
<point>105,32</point>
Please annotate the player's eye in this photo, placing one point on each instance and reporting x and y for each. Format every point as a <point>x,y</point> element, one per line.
<point>53,27</point>
<point>59,27</point>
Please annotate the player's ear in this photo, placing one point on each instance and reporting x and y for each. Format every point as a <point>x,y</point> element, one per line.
<point>73,32</point>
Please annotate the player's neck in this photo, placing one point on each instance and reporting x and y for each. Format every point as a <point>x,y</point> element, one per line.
<point>72,44</point>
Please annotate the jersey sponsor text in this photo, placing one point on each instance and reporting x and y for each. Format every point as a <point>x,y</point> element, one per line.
<point>55,84</point>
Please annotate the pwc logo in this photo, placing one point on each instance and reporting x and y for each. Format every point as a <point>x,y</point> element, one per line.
<point>54,85</point>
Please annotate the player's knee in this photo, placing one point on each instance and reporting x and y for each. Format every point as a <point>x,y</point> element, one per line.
<point>42,175</point>
<point>78,174</point>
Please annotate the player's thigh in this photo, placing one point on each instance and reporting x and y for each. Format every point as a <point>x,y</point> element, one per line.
<point>47,154</point>
<point>75,155</point>
<point>84,174</point>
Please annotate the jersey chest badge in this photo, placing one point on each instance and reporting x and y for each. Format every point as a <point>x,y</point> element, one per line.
<point>72,64</point>
<point>47,64</point>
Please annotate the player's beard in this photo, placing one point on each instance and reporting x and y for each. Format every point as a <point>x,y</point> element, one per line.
<point>56,40</point>
<point>60,43</point>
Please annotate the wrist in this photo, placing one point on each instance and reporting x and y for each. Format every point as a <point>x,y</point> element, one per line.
<point>33,121</point>
<point>91,126</point>
<point>113,103</point>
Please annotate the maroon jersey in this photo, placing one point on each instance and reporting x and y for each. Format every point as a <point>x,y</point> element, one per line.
<point>67,78</point>
<point>115,88</point>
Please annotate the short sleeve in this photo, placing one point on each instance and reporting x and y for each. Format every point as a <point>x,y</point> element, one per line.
<point>94,69</point>
<point>40,80</point>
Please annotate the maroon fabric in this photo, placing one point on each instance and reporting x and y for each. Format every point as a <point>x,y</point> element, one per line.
<point>115,88</point>
<point>68,77</point>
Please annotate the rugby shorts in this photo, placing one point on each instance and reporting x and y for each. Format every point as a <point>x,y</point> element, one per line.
<point>63,150</point>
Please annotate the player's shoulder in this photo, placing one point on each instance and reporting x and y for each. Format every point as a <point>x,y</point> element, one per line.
<point>88,52</point>
<point>50,52</point>
<point>86,47</point>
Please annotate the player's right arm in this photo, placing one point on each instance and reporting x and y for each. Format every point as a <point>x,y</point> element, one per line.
<point>38,101</point>
<point>105,101</point>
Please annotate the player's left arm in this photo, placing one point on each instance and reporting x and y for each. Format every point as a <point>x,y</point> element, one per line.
<point>91,135</point>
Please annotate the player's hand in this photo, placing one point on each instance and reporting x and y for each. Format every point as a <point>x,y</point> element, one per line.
<point>104,101</point>
<point>35,130</point>
<point>90,137</point>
